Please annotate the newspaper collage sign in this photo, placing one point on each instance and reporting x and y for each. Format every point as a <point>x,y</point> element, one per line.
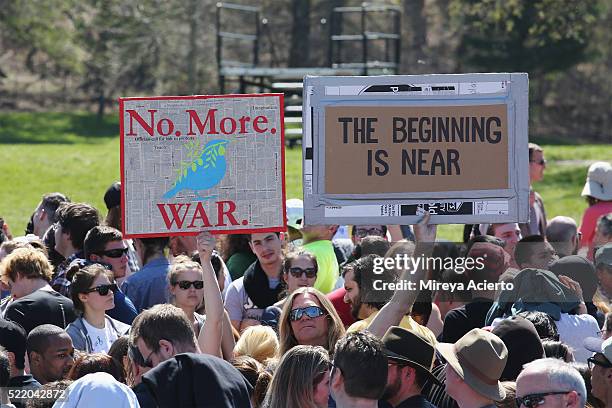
<point>196,163</point>
<point>387,149</point>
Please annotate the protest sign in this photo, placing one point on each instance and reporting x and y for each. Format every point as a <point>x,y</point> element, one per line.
<point>196,163</point>
<point>383,150</point>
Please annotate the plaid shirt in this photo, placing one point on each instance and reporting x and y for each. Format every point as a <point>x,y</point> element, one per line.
<point>59,282</point>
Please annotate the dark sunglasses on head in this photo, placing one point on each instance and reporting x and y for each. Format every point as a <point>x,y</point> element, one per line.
<point>592,361</point>
<point>103,289</point>
<point>297,272</point>
<point>310,311</point>
<point>533,400</point>
<point>184,284</point>
<point>114,253</point>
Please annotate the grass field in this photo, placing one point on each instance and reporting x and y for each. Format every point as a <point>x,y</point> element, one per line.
<point>78,155</point>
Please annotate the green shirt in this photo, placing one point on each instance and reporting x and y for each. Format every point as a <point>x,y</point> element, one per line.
<point>238,263</point>
<point>327,262</point>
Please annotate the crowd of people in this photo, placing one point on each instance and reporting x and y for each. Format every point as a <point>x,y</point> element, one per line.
<point>294,319</point>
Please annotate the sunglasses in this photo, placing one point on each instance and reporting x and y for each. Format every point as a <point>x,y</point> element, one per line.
<point>103,289</point>
<point>362,233</point>
<point>114,253</point>
<point>592,362</point>
<point>310,311</point>
<point>298,272</point>
<point>136,356</point>
<point>540,162</point>
<point>184,284</point>
<point>533,400</point>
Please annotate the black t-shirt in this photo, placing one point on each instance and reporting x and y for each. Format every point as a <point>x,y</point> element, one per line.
<point>461,320</point>
<point>41,307</point>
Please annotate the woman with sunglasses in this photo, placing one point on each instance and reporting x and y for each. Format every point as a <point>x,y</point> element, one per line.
<point>301,379</point>
<point>309,318</point>
<point>299,271</point>
<point>187,289</point>
<point>92,294</point>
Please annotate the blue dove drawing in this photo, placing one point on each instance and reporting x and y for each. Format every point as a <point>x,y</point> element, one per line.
<point>205,172</point>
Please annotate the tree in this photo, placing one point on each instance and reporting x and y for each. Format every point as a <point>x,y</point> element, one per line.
<point>535,36</point>
<point>299,53</point>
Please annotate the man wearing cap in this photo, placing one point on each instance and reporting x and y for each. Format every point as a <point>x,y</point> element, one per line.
<point>550,382</point>
<point>601,368</point>
<point>475,364</point>
<point>411,357</point>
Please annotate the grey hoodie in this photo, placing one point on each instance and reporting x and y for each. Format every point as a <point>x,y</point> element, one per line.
<point>78,333</point>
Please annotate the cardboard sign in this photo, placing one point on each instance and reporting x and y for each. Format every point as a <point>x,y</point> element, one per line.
<point>196,163</point>
<point>374,149</point>
<point>384,150</point>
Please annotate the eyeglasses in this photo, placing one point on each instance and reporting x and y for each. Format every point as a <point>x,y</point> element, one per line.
<point>103,289</point>
<point>184,284</point>
<point>310,311</point>
<point>592,361</point>
<point>540,162</point>
<point>533,400</point>
<point>114,253</point>
<point>136,356</point>
<point>298,272</point>
<point>361,233</point>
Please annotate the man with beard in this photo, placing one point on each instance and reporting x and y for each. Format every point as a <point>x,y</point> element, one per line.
<point>411,357</point>
<point>366,300</point>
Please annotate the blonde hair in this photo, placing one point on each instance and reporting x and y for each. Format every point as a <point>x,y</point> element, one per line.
<point>259,342</point>
<point>181,264</point>
<point>287,338</point>
<point>296,376</point>
<point>28,262</point>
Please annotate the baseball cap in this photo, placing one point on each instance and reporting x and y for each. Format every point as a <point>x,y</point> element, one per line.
<point>604,255</point>
<point>597,345</point>
<point>112,197</point>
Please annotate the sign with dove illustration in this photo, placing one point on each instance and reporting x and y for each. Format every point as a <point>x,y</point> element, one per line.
<point>196,163</point>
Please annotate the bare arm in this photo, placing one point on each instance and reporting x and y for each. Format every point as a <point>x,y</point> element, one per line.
<point>227,341</point>
<point>210,336</point>
<point>402,300</point>
<point>395,232</point>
